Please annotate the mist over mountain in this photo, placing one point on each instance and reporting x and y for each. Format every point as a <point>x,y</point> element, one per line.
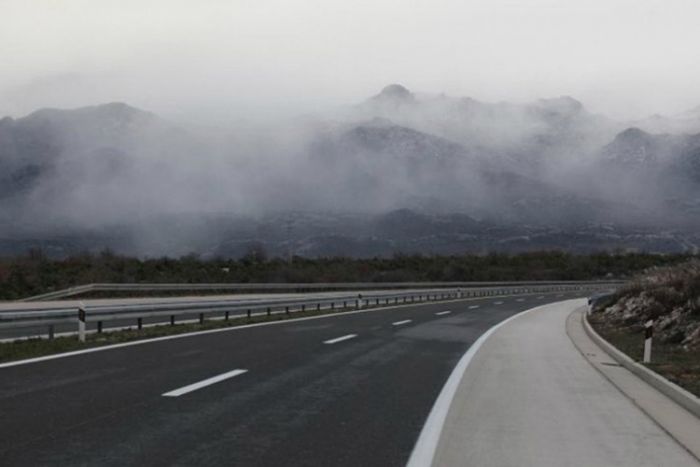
<point>399,172</point>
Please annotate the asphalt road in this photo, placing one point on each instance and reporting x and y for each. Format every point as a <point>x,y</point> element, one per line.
<point>360,399</point>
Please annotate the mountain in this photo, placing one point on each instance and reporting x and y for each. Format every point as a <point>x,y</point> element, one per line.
<point>88,166</point>
<point>659,171</point>
<point>526,137</point>
<point>398,172</point>
<point>676,157</point>
<point>92,141</point>
<point>386,166</point>
<point>393,95</point>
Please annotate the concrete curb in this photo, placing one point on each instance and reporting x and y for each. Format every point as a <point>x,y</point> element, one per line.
<point>671,390</point>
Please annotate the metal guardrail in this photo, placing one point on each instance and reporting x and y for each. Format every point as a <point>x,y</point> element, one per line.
<point>284,287</point>
<point>65,314</point>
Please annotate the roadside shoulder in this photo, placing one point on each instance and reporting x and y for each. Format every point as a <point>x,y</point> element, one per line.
<point>528,398</point>
<point>639,384</point>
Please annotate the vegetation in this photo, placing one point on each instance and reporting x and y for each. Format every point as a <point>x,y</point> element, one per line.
<point>676,364</point>
<point>35,274</point>
<point>670,296</point>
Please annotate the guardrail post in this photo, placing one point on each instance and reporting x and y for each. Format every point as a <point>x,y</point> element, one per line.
<point>286,310</point>
<point>226,316</point>
<point>201,318</point>
<point>81,322</point>
<point>318,307</point>
<point>172,320</point>
<point>99,327</point>
<point>332,305</point>
<point>248,313</point>
<point>269,312</point>
<point>303,307</point>
<point>51,331</point>
<point>648,336</point>
<point>139,323</point>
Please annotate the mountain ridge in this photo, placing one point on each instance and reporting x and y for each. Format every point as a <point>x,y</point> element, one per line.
<point>540,171</point>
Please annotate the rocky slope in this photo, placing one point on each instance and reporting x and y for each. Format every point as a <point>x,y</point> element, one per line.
<point>669,296</point>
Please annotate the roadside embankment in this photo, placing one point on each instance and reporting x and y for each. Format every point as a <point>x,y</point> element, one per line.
<point>670,297</point>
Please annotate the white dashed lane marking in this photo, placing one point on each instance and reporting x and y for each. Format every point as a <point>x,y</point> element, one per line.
<point>204,383</point>
<point>340,339</point>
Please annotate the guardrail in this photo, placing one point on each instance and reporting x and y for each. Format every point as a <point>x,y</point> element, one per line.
<point>48,318</point>
<point>284,287</point>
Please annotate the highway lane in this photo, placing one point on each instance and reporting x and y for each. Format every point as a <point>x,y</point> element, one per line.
<point>311,395</point>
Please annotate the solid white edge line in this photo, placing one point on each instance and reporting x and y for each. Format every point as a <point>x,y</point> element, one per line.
<point>340,339</point>
<point>498,303</point>
<point>473,307</point>
<point>424,449</point>
<point>399,323</point>
<point>446,312</point>
<point>204,383</point>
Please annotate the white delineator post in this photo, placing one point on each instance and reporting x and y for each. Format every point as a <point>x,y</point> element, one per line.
<point>81,322</point>
<point>648,335</point>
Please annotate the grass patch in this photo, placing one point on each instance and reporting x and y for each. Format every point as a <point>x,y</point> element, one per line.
<point>673,363</point>
<point>30,348</point>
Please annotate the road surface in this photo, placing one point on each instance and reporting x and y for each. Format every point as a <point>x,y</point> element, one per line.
<point>530,398</point>
<point>347,390</point>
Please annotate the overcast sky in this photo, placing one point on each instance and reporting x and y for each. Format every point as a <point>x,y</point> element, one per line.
<point>209,59</point>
